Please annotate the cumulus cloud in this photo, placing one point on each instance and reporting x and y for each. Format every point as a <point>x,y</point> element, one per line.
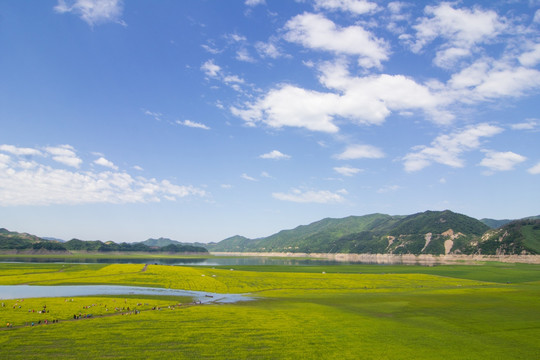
<point>530,57</point>
<point>357,7</point>
<point>310,196</point>
<point>461,29</point>
<point>316,32</point>
<point>255,2</point>
<point>192,124</point>
<point>20,151</point>
<point>528,125</point>
<point>211,69</point>
<point>247,177</point>
<point>291,106</point>
<point>93,12</point>
<point>244,55</point>
<point>362,100</point>
<point>360,152</point>
<point>488,79</point>
<point>535,170</point>
<point>64,154</point>
<point>268,49</point>
<point>347,170</point>
<point>447,149</point>
<point>106,163</point>
<point>501,161</point>
<point>37,183</point>
<point>275,155</point>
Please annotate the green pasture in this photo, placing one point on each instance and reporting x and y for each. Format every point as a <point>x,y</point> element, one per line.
<point>486,311</point>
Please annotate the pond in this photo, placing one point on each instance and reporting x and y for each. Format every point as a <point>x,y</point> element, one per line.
<point>34,291</point>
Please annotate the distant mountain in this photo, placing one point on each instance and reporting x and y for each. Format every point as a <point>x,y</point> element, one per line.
<point>53,239</point>
<point>27,243</point>
<point>161,242</point>
<point>430,232</point>
<point>10,240</point>
<point>492,223</point>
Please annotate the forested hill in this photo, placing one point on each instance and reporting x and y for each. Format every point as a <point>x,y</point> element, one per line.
<point>430,232</point>
<point>10,240</point>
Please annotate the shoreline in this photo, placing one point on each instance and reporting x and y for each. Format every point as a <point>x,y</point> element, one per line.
<point>406,259</point>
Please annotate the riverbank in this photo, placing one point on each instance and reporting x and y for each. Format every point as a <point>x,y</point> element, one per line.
<point>390,259</point>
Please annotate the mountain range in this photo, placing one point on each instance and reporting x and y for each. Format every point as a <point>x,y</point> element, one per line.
<point>429,232</point>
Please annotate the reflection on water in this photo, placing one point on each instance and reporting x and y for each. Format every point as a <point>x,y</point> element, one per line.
<point>218,261</point>
<point>33,291</point>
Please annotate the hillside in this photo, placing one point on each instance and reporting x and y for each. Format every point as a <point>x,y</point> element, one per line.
<point>10,240</point>
<point>25,242</point>
<point>516,237</point>
<point>430,232</point>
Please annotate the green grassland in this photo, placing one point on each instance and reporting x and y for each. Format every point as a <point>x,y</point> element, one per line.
<point>485,311</point>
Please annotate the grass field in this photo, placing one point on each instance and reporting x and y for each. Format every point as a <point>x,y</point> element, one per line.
<point>489,311</point>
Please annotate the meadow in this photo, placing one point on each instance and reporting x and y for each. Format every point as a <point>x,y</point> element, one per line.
<point>488,310</point>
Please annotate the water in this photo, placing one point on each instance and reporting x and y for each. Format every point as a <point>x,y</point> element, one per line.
<point>32,291</point>
<point>217,261</point>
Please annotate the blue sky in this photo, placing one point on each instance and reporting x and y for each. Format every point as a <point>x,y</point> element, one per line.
<point>199,120</point>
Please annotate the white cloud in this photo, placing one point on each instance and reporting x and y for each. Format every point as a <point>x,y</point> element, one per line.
<point>361,100</point>
<point>531,57</point>
<point>347,170</point>
<point>214,71</point>
<point>360,152</point>
<point>447,149</point>
<point>462,29</point>
<point>535,170</point>
<point>192,124</point>
<point>107,163</point>
<point>501,161</point>
<point>64,154</point>
<point>320,197</point>
<point>20,151</point>
<point>156,115</point>
<point>138,168</point>
<point>358,7</point>
<point>316,32</point>
<point>292,106</point>
<point>211,69</point>
<point>254,2</point>
<point>274,154</point>
<point>528,125</point>
<point>487,79</point>
<point>233,79</point>
<point>247,177</point>
<point>244,55</point>
<point>267,49</point>
<point>93,12</point>
<point>33,183</point>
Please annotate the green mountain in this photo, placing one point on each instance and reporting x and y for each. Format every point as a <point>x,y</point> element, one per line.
<point>430,232</point>
<point>492,223</point>
<point>10,240</point>
<point>161,242</point>
<point>517,237</point>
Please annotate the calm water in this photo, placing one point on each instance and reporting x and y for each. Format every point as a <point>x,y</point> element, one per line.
<point>218,261</point>
<point>31,291</point>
